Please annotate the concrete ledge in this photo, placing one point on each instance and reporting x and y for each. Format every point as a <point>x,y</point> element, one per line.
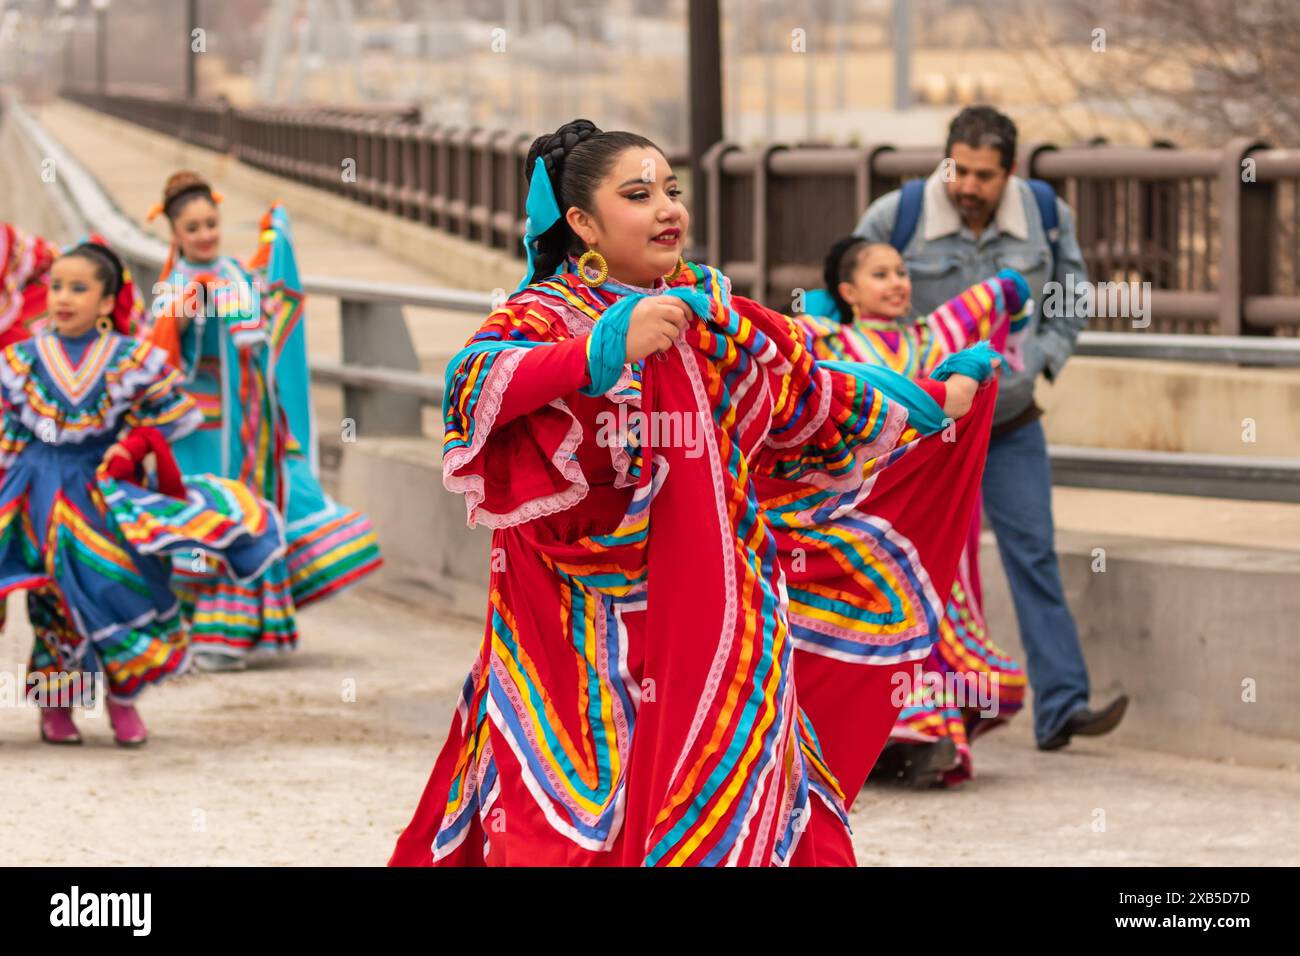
<point>428,550</point>
<point>1178,625</point>
<point>1174,406</point>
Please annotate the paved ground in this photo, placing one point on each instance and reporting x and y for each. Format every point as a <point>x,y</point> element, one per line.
<point>272,766</point>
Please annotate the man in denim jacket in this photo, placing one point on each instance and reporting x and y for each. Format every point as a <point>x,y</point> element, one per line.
<point>978,217</point>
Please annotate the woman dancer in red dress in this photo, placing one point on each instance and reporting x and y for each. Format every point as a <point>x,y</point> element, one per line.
<point>634,699</point>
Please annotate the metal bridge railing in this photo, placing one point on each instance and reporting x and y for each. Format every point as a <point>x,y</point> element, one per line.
<point>1213,233</point>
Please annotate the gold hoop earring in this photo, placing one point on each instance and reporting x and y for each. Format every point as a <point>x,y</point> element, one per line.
<point>603,267</point>
<point>677,270</point>
<point>105,323</point>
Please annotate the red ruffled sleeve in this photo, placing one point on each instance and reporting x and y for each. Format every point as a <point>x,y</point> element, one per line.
<point>543,375</point>
<point>510,442</point>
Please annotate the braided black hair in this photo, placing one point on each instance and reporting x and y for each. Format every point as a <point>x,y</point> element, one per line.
<point>577,157</point>
<point>109,269</point>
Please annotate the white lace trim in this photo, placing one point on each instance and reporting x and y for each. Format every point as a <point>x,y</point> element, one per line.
<point>122,385</point>
<point>485,416</point>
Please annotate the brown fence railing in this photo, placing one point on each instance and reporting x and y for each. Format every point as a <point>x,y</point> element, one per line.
<point>1213,231</point>
<point>1216,232</point>
<point>464,180</point>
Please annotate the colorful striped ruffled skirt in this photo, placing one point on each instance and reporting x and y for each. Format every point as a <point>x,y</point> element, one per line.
<point>329,548</point>
<point>96,558</point>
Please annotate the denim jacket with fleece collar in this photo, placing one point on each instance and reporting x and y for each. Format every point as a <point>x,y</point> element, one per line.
<point>944,259</point>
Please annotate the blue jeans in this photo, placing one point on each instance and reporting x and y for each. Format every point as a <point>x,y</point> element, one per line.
<point>1018,501</point>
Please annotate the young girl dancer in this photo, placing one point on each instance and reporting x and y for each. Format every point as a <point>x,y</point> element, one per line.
<point>82,403</point>
<point>634,700</point>
<point>967,685</point>
<point>24,263</point>
<point>237,337</point>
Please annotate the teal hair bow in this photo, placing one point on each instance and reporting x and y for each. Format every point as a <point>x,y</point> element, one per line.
<point>543,212</point>
<point>819,302</point>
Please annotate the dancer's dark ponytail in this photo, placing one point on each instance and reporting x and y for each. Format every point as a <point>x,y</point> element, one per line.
<point>578,156</point>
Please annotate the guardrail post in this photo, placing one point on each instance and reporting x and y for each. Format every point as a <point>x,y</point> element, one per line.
<point>704,98</point>
<point>225,126</point>
<point>375,333</point>
<point>516,194</point>
<point>871,177</point>
<point>459,195</point>
<point>762,201</point>
<point>480,192</point>
<point>710,232</point>
<point>441,174</point>
<point>1231,234</point>
<point>1259,232</point>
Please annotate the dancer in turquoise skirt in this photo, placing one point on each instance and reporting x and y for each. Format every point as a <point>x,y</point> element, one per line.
<point>89,540</point>
<point>237,336</point>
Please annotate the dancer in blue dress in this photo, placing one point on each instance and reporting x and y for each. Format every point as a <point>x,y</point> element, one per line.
<point>87,539</point>
<point>243,356</point>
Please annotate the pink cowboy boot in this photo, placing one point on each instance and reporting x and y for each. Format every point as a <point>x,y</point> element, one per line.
<point>128,728</point>
<point>57,726</point>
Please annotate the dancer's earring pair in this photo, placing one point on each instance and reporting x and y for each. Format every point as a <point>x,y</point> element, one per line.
<point>602,267</point>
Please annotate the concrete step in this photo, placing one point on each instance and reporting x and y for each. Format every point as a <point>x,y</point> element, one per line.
<point>1174,406</point>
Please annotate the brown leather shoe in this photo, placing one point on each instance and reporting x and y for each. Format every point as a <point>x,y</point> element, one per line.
<point>1088,723</point>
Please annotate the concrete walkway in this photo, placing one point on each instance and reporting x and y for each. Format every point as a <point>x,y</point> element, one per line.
<point>319,760</point>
